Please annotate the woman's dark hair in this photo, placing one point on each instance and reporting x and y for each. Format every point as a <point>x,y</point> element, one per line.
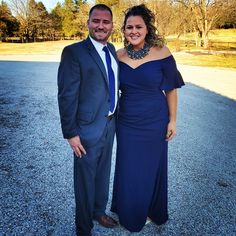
<point>152,38</point>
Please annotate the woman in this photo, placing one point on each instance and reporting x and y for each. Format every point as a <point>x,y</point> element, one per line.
<point>146,122</point>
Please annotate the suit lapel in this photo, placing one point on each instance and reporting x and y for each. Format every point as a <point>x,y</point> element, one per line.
<point>94,54</point>
<point>113,52</point>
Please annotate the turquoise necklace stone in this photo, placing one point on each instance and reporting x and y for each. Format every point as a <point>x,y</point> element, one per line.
<point>141,53</point>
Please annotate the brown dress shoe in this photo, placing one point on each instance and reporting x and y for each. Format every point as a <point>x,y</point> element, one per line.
<point>107,221</point>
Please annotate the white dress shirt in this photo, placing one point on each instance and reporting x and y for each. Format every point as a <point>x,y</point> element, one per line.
<point>99,46</point>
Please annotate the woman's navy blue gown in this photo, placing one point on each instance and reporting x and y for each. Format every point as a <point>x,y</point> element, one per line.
<point>140,182</point>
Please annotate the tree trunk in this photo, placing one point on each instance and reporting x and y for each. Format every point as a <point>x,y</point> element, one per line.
<point>205,25</point>
<point>198,37</point>
<point>205,40</point>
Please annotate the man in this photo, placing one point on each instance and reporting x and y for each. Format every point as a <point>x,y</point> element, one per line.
<point>87,97</point>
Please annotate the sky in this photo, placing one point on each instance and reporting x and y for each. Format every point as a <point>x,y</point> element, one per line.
<point>50,4</point>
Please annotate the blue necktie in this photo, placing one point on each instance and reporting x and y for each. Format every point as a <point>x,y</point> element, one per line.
<point>111,78</point>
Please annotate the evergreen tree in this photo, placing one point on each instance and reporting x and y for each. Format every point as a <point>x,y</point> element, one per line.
<point>8,23</point>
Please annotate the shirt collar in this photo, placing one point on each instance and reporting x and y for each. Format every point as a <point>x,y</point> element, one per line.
<point>96,44</point>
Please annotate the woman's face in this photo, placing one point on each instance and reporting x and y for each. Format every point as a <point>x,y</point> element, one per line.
<point>135,31</point>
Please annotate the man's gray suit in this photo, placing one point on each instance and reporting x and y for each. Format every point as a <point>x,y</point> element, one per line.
<point>83,97</point>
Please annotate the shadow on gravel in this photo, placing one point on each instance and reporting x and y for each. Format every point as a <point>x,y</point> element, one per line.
<point>36,163</point>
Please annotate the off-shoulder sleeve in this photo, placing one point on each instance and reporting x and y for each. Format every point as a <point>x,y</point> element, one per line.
<point>171,76</point>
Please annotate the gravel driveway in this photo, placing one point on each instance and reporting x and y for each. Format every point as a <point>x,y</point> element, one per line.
<point>36,163</point>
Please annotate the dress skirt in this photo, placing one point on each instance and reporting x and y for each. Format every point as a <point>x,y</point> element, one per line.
<point>140,181</point>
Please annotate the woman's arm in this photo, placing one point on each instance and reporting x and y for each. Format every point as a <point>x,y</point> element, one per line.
<point>172,105</point>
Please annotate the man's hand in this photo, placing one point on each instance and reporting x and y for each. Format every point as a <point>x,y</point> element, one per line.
<point>76,146</point>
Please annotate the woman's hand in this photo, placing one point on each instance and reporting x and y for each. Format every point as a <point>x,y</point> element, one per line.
<point>171,130</point>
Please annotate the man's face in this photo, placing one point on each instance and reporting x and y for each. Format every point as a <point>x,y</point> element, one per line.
<point>100,25</point>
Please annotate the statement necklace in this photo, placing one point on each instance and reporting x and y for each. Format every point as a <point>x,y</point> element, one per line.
<point>141,53</point>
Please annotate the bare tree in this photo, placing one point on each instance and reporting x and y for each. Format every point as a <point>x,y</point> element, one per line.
<point>205,13</point>
<point>33,18</point>
<point>227,15</point>
<point>21,11</point>
<point>164,15</point>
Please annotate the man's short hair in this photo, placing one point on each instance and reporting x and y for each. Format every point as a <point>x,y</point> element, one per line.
<point>100,7</point>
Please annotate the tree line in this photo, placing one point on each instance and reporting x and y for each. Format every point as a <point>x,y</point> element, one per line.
<point>29,20</point>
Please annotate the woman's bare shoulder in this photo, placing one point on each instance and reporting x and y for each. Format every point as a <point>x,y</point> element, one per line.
<point>162,52</point>
<point>166,51</point>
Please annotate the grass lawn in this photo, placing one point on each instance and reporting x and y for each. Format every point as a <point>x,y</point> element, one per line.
<point>219,39</point>
<point>51,47</point>
<point>223,39</point>
<point>210,60</point>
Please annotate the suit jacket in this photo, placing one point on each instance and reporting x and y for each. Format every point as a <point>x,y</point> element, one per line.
<point>83,92</point>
